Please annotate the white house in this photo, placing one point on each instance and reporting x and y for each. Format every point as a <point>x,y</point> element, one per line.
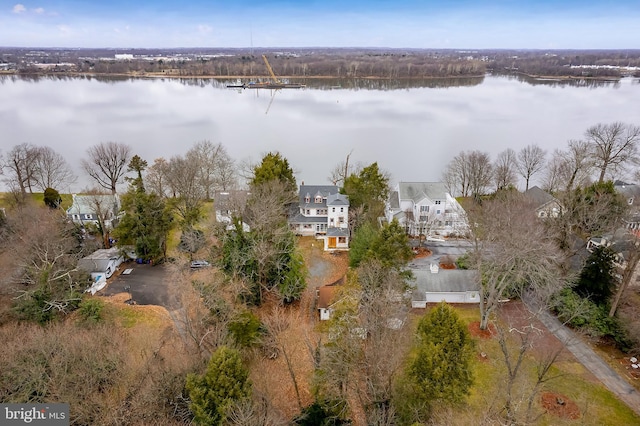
<point>324,213</point>
<point>426,208</point>
<point>93,209</point>
<point>449,285</point>
<point>102,262</point>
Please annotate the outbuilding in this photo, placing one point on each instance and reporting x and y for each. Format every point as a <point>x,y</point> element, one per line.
<point>436,285</point>
<point>102,262</point>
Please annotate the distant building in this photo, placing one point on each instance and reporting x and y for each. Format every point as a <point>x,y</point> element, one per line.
<point>452,286</point>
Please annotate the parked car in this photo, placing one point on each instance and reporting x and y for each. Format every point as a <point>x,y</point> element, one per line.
<point>199,264</point>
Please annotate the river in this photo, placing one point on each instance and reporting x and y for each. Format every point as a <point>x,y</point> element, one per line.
<point>412,130</point>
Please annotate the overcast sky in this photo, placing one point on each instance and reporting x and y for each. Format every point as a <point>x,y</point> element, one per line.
<point>476,24</point>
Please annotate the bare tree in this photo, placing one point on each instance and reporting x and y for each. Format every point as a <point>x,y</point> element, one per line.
<point>578,163</point>
<point>613,146</point>
<point>554,172</point>
<point>20,165</point>
<point>215,166</point>
<point>504,169</point>
<point>469,173</point>
<point>105,207</point>
<point>107,163</point>
<point>52,170</point>
<point>183,181</point>
<point>530,161</point>
<point>341,171</point>
<point>157,178</point>
<point>513,251</point>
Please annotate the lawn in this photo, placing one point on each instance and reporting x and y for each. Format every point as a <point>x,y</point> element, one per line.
<point>594,404</point>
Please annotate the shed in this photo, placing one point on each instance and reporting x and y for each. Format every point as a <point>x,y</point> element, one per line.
<point>436,285</point>
<point>326,297</point>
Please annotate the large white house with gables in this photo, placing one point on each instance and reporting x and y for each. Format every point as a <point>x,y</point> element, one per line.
<point>324,213</point>
<point>426,208</point>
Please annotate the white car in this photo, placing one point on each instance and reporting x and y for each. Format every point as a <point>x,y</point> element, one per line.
<point>199,264</point>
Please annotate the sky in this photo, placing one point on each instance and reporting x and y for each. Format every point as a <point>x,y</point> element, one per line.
<point>479,24</point>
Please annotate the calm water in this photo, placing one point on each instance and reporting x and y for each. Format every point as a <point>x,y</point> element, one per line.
<point>412,132</point>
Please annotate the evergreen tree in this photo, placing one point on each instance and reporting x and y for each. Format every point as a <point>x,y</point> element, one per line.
<point>145,224</point>
<point>597,278</point>
<point>52,198</point>
<point>225,382</point>
<point>274,167</point>
<point>440,367</point>
<point>368,190</point>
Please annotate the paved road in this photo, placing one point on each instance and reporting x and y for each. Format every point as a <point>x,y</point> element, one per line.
<point>592,362</point>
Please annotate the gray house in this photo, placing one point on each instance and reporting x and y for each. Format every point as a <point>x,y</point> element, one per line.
<point>449,285</point>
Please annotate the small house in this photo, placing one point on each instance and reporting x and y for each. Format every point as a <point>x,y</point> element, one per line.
<point>449,285</point>
<point>326,297</point>
<point>101,262</point>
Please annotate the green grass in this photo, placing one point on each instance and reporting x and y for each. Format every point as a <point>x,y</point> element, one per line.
<point>599,405</point>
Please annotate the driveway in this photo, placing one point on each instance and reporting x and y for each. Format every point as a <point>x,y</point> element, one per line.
<point>439,249</point>
<point>591,360</point>
<point>148,285</point>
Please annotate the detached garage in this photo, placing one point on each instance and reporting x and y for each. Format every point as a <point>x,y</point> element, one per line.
<point>437,285</point>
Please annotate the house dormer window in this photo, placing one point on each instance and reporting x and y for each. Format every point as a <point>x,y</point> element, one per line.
<point>307,199</point>
<point>318,199</point>
<point>630,201</point>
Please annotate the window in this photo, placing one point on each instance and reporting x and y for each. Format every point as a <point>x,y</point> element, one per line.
<point>424,209</point>
<point>342,240</point>
<point>331,221</point>
<point>630,201</point>
<point>333,209</point>
<point>438,202</point>
<point>87,216</point>
<point>341,219</point>
<point>341,209</point>
<point>76,216</point>
<point>541,214</point>
<point>318,199</point>
<point>438,211</point>
<point>307,199</point>
<point>308,211</point>
<point>423,218</point>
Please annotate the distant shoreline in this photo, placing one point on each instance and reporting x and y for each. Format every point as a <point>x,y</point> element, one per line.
<point>294,77</point>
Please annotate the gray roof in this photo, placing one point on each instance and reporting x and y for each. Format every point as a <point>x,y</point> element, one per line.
<point>300,218</point>
<point>394,201</point>
<point>538,196</point>
<point>337,199</point>
<point>86,204</point>
<point>417,191</point>
<point>312,190</point>
<point>629,190</point>
<point>445,280</point>
<point>99,260</point>
<point>337,232</point>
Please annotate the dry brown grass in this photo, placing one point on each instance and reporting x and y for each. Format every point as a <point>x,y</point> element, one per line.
<point>273,377</point>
